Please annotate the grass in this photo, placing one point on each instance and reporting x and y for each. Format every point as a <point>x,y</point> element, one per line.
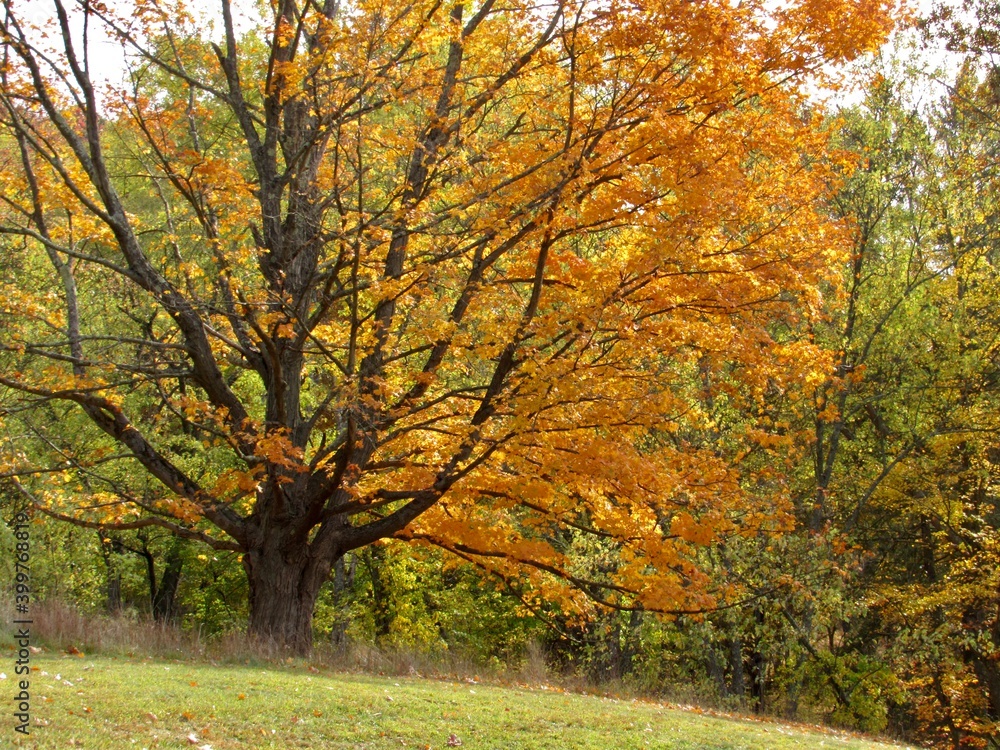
<point>62,627</point>
<point>114,703</point>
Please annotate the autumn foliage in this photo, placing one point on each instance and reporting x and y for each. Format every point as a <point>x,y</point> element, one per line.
<point>460,274</point>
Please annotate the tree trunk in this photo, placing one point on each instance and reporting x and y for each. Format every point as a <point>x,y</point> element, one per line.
<point>613,668</point>
<point>795,689</point>
<point>283,591</point>
<point>113,586</point>
<point>374,557</point>
<point>758,664</point>
<point>738,682</point>
<point>717,673</point>
<point>165,595</point>
<point>630,644</point>
<point>114,592</point>
<point>343,581</point>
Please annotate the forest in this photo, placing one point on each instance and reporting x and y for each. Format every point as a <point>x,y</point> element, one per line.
<point>654,340</point>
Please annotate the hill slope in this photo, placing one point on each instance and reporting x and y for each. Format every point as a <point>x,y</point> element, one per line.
<point>106,703</point>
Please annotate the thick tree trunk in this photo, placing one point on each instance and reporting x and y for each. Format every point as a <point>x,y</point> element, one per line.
<point>283,593</point>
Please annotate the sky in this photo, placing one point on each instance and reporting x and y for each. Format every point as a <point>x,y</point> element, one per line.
<point>107,56</point>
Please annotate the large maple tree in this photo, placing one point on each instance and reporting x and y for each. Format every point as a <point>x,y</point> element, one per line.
<point>318,274</point>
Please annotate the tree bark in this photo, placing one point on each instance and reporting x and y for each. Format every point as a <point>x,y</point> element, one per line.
<point>283,591</point>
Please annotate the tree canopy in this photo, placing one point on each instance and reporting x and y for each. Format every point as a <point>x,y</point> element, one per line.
<point>473,275</point>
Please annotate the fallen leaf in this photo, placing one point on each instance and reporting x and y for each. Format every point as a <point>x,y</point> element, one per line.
<point>453,740</point>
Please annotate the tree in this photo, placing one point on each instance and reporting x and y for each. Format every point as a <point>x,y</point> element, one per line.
<point>942,582</point>
<point>438,272</point>
<point>905,467</point>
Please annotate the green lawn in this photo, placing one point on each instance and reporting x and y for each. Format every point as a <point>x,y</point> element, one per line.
<point>104,702</point>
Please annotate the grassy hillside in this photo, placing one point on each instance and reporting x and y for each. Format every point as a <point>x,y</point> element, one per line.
<point>119,703</point>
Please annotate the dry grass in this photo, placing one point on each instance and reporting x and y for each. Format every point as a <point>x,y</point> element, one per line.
<point>63,627</point>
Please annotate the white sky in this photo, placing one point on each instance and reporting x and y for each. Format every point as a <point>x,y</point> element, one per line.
<point>107,55</point>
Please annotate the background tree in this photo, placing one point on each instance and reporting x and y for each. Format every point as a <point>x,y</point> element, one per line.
<point>901,500</point>
<point>945,494</point>
<point>439,272</point>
